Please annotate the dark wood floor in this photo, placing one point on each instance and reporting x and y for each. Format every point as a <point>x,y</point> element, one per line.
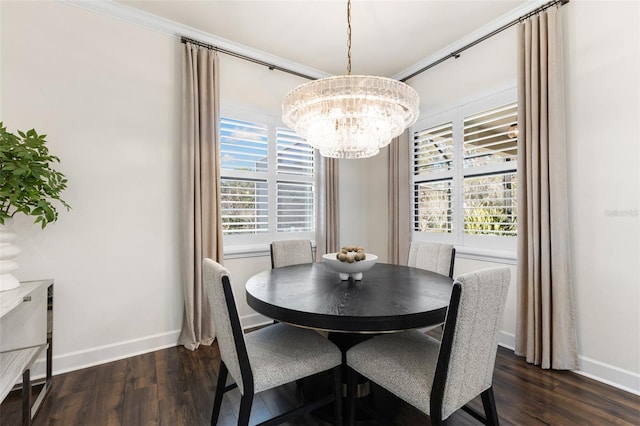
<point>175,387</point>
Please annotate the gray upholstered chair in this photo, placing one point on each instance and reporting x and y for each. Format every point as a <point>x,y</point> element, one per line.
<point>435,257</point>
<point>436,377</point>
<point>265,358</point>
<point>432,257</point>
<point>290,252</point>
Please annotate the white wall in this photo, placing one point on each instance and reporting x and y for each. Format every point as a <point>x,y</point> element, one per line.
<point>248,84</point>
<point>107,95</point>
<point>363,203</point>
<point>603,94</point>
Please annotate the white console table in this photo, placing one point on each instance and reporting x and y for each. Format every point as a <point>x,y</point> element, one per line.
<point>26,330</point>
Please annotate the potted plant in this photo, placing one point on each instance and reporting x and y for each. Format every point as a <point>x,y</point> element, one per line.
<point>28,185</point>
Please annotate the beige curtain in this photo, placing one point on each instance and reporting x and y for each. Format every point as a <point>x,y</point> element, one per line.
<point>398,189</point>
<point>328,220</point>
<point>545,330</point>
<point>201,219</point>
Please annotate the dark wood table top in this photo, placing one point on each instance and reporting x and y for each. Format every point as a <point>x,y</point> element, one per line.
<point>389,298</point>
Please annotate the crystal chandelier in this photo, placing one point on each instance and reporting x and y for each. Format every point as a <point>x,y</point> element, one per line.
<point>350,116</point>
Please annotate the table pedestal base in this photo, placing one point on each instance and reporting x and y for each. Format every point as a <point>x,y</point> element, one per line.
<point>319,386</point>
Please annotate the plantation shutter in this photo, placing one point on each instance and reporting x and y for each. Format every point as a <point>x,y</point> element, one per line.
<point>243,145</point>
<point>433,163</point>
<point>295,199</point>
<point>490,152</point>
<point>293,154</point>
<point>244,190</point>
<point>245,206</point>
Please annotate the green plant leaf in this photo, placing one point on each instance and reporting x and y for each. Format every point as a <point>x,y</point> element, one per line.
<point>28,182</point>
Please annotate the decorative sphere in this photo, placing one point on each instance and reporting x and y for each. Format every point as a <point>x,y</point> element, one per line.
<point>355,269</point>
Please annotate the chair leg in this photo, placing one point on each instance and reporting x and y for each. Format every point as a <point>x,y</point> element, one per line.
<point>352,383</point>
<point>489,404</point>
<point>337,390</point>
<point>245,409</point>
<point>217,400</point>
<point>435,411</point>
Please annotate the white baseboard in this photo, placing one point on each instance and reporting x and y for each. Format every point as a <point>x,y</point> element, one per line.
<point>102,354</point>
<point>113,352</point>
<point>507,340</point>
<point>608,374</point>
<point>613,376</point>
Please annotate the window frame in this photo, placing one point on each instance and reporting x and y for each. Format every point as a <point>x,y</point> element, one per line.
<point>475,246</point>
<point>258,243</point>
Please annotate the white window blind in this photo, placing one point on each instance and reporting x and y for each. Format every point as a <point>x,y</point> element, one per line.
<point>433,163</point>
<point>490,155</point>
<point>433,149</point>
<point>243,145</point>
<point>489,137</point>
<point>293,154</point>
<point>295,199</point>
<point>267,180</point>
<point>245,206</point>
<point>465,175</point>
<point>490,204</point>
<point>434,206</point>
<point>295,207</point>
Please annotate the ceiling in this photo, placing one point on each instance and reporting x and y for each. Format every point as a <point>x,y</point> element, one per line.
<point>388,37</point>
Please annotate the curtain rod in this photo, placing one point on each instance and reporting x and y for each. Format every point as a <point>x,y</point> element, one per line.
<point>246,58</point>
<point>456,54</point>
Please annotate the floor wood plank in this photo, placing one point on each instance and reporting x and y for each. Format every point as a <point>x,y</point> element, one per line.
<point>174,387</point>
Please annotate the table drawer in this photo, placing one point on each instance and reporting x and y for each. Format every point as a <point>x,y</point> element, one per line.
<point>26,325</point>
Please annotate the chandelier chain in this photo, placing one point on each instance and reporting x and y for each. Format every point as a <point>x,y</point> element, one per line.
<point>349,37</point>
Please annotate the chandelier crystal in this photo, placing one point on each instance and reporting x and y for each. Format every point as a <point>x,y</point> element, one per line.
<point>350,116</point>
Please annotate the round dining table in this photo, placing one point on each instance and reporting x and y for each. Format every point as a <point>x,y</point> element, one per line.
<point>389,298</point>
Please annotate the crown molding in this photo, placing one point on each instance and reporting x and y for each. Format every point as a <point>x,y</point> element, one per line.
<point>516,13</point>
<point>175,29</point>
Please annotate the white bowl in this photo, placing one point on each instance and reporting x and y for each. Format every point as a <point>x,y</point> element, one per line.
<point>347,269</point>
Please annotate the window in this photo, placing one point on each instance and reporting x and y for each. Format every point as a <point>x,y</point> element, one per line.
<point>490,151</point>
<point>243,183</point>
<point>433,176</point>
<point>295,196</point>
<point>464,176</point>
<point>267,181</point>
